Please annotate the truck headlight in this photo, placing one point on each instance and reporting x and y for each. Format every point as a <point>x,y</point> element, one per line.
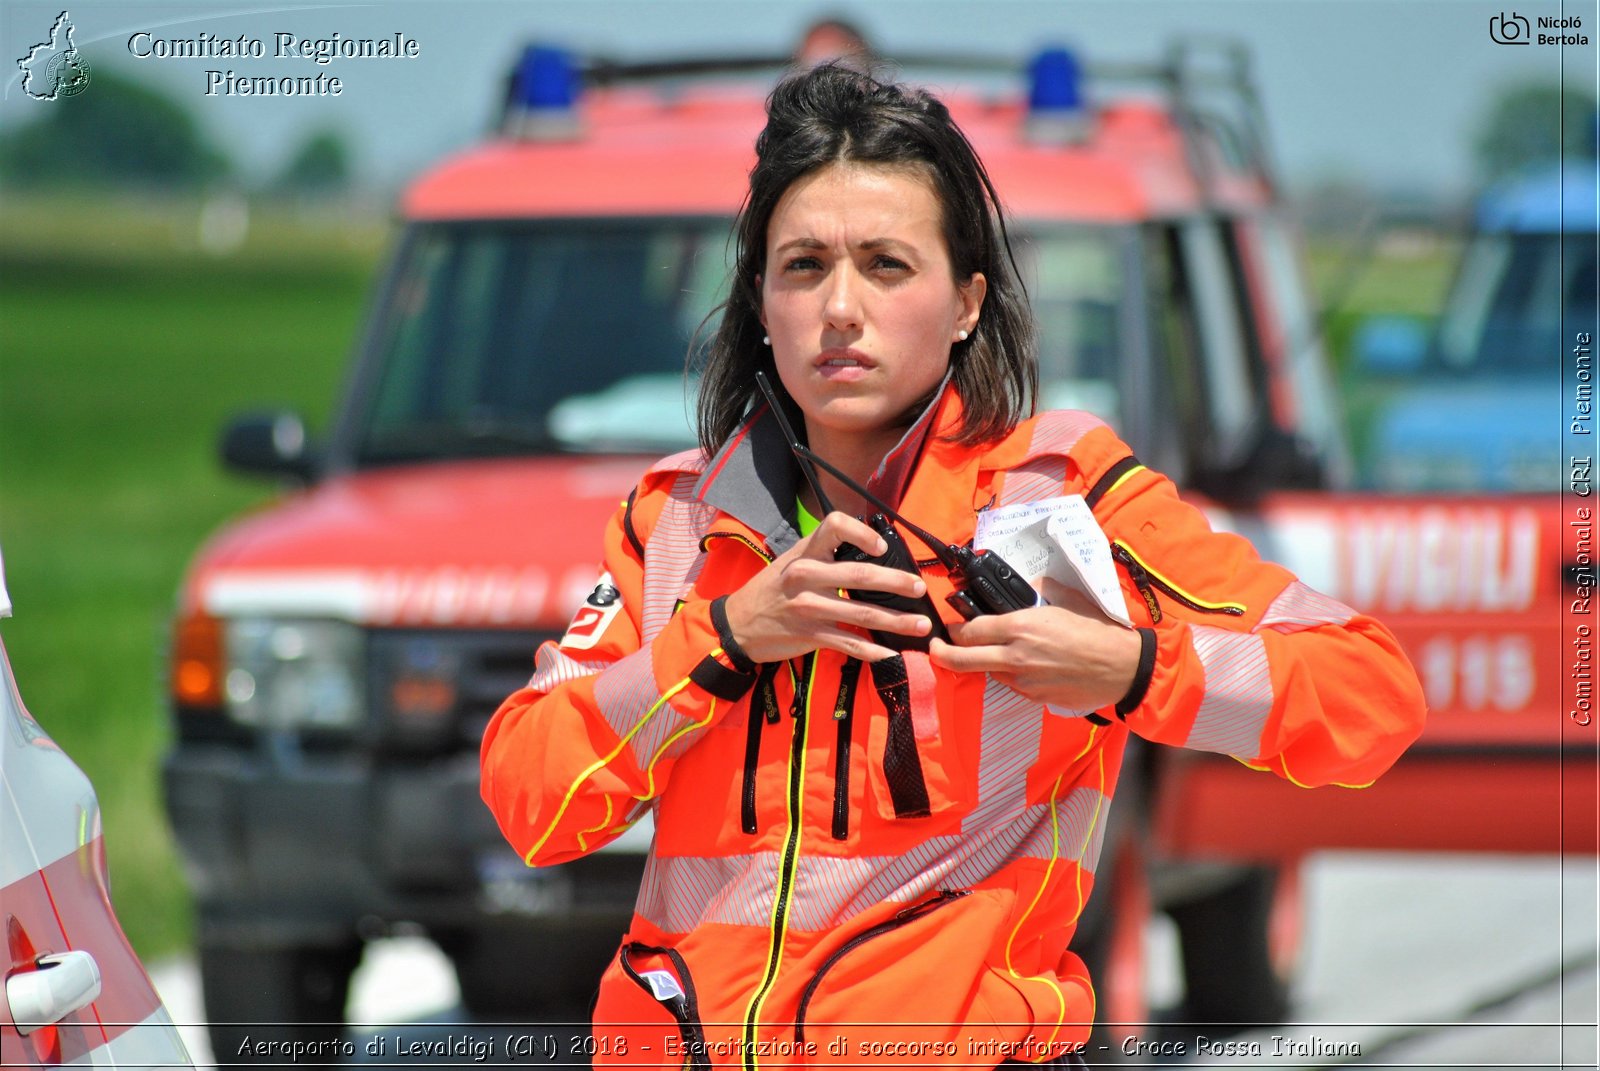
<point>286,674</point>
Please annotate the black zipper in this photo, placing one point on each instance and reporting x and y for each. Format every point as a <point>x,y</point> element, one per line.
<point>1148,581</point>
<point>844,719</point>
<point>1141,579</point>
<point>685,1009</point>
<point>763,706</point>
<point>791,849</point>
<point>904,916</point>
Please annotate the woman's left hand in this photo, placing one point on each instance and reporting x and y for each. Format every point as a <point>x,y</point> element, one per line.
<point>1067,653</point>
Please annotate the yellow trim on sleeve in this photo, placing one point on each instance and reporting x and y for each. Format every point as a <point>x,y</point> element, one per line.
<point>1120,481</point>
<point>650,770</point>
<point>583,835</point>
<point>1077,884</point>
<point>601,764</point>
<point>1287,776</point>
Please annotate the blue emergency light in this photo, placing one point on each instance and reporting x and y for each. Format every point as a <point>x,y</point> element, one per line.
<point>546,80</point>
<point>1054,83</point>
<point>541,104</point>
<point>1056,111</point>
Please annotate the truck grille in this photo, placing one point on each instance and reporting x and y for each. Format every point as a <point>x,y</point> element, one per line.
<point>436,690</point>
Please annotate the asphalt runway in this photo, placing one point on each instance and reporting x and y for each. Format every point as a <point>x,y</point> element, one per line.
<point>1408,961</point>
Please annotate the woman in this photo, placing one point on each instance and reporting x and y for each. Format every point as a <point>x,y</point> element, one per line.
<point>872,844</point>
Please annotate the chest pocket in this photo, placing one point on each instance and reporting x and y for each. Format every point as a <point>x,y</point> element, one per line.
<point>917,740</point>
<point>1161,595</point>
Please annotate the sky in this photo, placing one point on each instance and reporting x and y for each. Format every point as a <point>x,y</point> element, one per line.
<point>1389,93</point>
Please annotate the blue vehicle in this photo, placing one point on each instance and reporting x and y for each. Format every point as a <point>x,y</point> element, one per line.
<point>1482,404</point>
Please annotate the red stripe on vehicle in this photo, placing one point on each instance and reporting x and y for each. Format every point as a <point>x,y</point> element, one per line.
<point>33,930</point>
<point>127,997</point>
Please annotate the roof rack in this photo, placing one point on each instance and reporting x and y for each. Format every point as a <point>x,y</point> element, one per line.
<point>1206,81</point>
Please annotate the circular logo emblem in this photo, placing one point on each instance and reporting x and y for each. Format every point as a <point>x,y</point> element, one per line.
<point>69,73</point>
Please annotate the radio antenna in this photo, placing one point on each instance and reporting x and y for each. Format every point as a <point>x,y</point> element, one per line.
<point>809,459</point>
<point>795,446</point>
<point>941,550</point>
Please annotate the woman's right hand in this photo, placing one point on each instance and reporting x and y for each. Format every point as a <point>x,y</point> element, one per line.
<point>796,605</point>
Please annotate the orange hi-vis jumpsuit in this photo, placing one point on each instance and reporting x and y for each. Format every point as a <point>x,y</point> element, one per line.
<point>838,880</point>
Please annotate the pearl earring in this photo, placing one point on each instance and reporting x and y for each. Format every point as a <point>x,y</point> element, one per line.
<point>766,340</point>
<point>962,335</point>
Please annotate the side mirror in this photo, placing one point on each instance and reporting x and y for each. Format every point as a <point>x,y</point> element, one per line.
<point>268,444</point>
<point>1390,346</point>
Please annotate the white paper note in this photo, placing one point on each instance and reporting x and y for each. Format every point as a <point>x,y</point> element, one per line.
<point>1058,538</point>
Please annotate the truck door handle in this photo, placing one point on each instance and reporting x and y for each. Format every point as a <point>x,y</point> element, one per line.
<point>57,986</point>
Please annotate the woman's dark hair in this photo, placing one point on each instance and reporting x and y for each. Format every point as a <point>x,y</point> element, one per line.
<point>835,114</point>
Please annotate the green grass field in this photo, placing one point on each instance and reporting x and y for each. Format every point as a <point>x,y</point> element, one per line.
<point>1406,279</point>
<point>125,348</point>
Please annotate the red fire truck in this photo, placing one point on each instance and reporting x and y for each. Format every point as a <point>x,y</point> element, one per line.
<point>337,655</point>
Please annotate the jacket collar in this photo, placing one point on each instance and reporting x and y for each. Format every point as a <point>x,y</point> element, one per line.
<point>754,477</point>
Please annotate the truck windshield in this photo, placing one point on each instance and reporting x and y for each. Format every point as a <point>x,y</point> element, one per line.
<point>1504,314</point>
<point>503,339</point>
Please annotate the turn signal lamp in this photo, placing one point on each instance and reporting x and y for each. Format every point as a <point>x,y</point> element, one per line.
<point>1056,110</point>
<point>197,661</point>
<point>542,102</point>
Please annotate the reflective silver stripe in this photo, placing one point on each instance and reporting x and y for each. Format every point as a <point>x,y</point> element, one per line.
<point>1301,607</point>
<point>679,893</point>
<point>690,460</point>
<point>1238,691</point>
<point>947,863</point>
<point>1007,750</point>
<point>1057,431</point>
<point>827,887</point>
<point>1080,829</point>
<point>1033,480</point>
<point>672,556</point>
<point>964,861</point>
<point>1044,474</point>
<point>625,694</point>
<point>682,892</point>
<point>553,667</point>
<point>931,865</point>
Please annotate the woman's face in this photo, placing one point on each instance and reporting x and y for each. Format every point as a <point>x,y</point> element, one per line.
<point>860,301</point>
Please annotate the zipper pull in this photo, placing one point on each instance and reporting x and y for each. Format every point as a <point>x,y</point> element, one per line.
<point>797,705</point>
<point>763,697</point>
<point>769,703</point>
<point>943,896</point>
<point>849,673</point>
<point>1141,580</point>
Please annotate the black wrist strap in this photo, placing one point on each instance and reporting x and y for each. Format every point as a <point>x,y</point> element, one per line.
<point>741,662</point>
<point>1141,676</point>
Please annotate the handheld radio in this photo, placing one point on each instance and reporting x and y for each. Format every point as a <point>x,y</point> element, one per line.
<point>985,583</point>
<point>897,556</point>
